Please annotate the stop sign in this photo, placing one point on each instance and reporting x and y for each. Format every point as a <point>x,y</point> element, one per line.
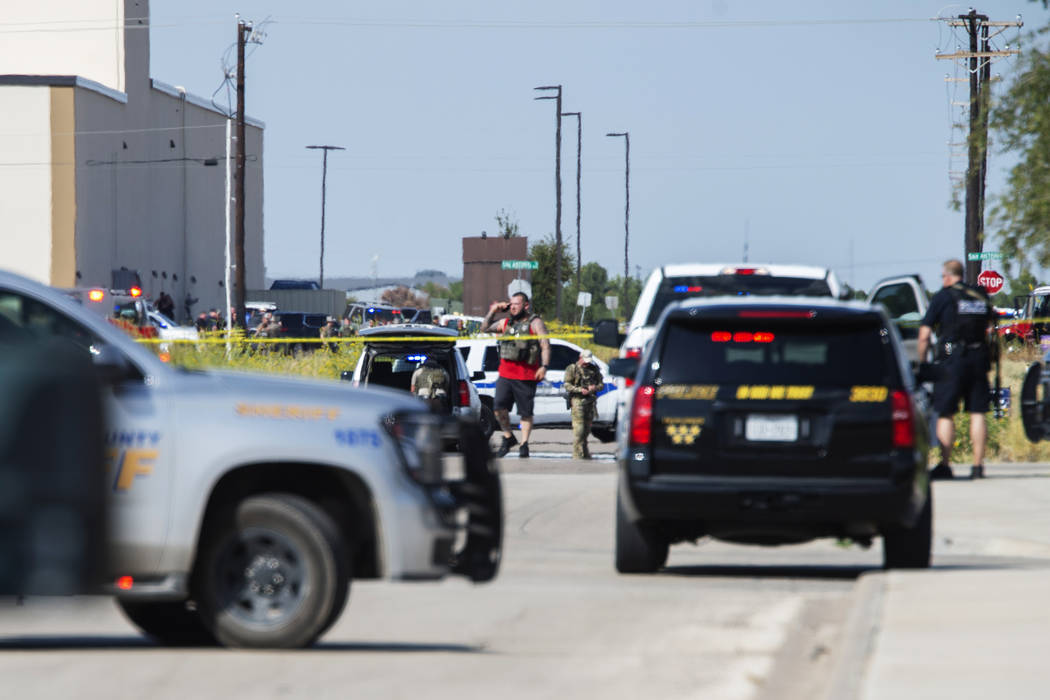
<point>990,280</point>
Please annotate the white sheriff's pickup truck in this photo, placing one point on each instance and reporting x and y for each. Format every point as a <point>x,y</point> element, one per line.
<point>242,505</point>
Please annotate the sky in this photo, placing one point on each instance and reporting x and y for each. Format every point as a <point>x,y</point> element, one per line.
<point>813,132</point>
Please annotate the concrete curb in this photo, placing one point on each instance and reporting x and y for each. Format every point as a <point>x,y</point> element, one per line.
<point>857,639</point>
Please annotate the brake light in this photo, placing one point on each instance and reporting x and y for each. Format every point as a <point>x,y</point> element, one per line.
<point>631,352</point>
<point>136,292</point>
<point>464,393</point>
<point>96,295</point>
<point>745,271</point>
<point>742,337</point>
<point>903,430</point>
<point>125,583</point>
<point>642,415</point>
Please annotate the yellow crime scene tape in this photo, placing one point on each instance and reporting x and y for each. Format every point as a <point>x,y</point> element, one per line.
<point>222,338</point>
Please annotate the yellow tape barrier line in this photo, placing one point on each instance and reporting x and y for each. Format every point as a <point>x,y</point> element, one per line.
<point>239,339</point>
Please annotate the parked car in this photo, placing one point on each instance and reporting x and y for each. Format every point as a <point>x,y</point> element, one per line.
<point>362,315</point>
<point>168,329</point>
<point>390,363</point>
<point>294,284</point>
<point>905,300</point>
<point>550,410</point>
<point>772,422</point>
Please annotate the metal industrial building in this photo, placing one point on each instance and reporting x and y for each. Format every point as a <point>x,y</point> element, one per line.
<point>102,167</point>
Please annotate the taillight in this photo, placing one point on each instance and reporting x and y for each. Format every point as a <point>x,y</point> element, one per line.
<point>642,415</point>
<point>903,430</point>
<point>96,295</point>
<point>464,393</point>
<point>631,352</point>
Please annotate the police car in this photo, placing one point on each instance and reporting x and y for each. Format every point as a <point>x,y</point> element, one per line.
<point>769,422</point>
<point>243,505</point>
<point>550,409</point>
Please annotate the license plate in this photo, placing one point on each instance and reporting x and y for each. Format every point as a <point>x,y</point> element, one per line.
<point>767,428</point>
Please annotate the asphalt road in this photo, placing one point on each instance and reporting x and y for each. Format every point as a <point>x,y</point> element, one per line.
<point>720,622</point>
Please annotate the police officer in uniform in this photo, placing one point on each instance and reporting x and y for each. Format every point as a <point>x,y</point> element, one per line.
<point>430,382</point>
<point>523,363</point>
<point>962,315</point>
<point>583,381</point>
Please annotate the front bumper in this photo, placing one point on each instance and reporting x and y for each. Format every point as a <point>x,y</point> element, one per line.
<point>479,493</point>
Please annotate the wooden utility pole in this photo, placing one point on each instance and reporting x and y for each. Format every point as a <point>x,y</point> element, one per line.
<point>626,214</point>
<point>243,31</point>
<point>324,189</point>
<point>978,65</point>
<point>557,191</point>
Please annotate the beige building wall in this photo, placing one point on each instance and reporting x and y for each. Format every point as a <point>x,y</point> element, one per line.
<point>68,37</point>
<point>25,181</point>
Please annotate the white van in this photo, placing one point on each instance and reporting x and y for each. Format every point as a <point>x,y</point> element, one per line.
<point>550,409</point>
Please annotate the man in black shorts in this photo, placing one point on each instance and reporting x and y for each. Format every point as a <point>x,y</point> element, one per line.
<point>523,363</point>
<point>962,315</point>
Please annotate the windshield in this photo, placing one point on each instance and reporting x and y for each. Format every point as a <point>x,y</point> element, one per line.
<point>738,352</point>
<point>676,288</point>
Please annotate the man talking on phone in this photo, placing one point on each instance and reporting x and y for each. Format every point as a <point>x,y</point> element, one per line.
<point>523,362</point>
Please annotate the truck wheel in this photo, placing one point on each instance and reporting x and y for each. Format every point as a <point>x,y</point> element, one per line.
<point>273,573</point>
<point>486,421</point>
<point>605,434</point>
<point>169,623</point>
<point>639,550</point>
<point>909,548</point>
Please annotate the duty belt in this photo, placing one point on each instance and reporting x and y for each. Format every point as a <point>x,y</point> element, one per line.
<point>962,348</point>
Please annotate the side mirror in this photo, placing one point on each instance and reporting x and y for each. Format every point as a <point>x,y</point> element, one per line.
<point>607,333</point>
<point>478,376</point>
<point>623,367</point>
<point>111,364</point>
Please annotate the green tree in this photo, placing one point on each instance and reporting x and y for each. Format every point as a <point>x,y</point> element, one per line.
<point>1020,216</point>
<point>507,226</point>
<point>634,290</point>
<point>433,289</point>
<point>455,290</point>
<point>544,292</point>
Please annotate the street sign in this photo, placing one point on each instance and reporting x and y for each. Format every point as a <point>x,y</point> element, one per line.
<point>611,303</point>
<point>986,255</point>
<point>519,265</point>
<point>583,299</point>
<point>519,286</point>
<point>990,280</point>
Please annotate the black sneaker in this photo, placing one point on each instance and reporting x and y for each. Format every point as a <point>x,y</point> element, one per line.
<point>504,447</point>
<point>941,471</point>
<point>977,471</point>
<point>523,451</point>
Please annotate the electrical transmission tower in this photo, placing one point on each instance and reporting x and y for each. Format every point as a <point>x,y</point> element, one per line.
<point>977,62</point>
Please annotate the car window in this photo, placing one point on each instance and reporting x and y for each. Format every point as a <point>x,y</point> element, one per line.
<point>23,318</point>
<point>491,360</point>
<point>686,287</point>
<point>841,354</point>
<point>902,306</point>
<point>465,351</point>
<point>562,356</point>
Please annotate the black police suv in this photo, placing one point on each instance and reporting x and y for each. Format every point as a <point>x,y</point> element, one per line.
<point>769,422</point>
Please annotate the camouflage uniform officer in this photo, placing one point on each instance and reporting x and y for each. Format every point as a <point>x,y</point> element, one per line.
<point>430,382</point>
<point>583,381</point>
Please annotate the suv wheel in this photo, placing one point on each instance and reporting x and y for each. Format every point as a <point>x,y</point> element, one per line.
<point>169,623</point>
<point>909,548</point>
<point>273,572</point>
<point>486,421</point>
<point>639,550</point>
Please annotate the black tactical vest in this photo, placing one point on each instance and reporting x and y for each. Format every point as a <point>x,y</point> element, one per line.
<point>972,310</point>
<point>520,350</point>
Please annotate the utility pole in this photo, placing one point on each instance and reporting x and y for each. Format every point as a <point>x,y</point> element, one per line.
<point>324,179</point>
<point>626,213</point>
<point>579,148</point>
<point>243,32</point>
<point>557,190</point>
<point>978,65</point>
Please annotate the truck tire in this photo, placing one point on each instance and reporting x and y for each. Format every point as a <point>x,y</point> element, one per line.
<point>487,421</point>
<point>639,550</point>
<point>910,547</point>
<point>169,623</point>
<point>273,573</point>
